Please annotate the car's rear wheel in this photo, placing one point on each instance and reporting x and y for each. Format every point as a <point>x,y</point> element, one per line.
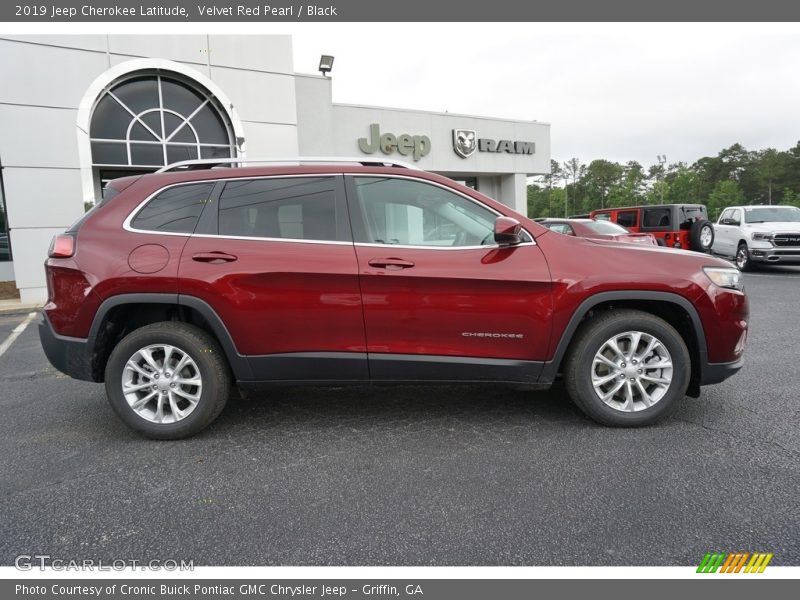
<point>701,236</point>
<point>743,260</point>
<point>167,380</point>
<point>627,368</point>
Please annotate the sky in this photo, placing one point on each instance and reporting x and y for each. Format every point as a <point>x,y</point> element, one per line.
<point>615,91</point>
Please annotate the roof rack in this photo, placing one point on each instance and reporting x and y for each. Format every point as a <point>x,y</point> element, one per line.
<point>210,163</point>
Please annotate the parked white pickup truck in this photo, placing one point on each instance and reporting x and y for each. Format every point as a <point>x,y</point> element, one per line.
<point>754,235</point>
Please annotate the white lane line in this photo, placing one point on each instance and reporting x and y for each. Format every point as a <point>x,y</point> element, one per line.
<point>15,333</point>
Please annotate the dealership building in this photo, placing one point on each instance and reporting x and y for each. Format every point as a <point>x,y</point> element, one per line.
<point>77,111</point>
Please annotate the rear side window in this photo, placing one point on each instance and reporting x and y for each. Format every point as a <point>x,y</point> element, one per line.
<point>298,208</point>
<point>657,218</point>
<point>175,210</point>
<point>606,227</point>
<point>560,228</point>
<point>627,218</point>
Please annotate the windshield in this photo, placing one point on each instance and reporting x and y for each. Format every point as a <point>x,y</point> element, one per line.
<point>770,214</point>
<point>605,227</point>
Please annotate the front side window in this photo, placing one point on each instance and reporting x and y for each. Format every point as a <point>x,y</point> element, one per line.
<point>603,217</point>
<point>297,208</point>
<point>412,213</point>
<point>175,210</point>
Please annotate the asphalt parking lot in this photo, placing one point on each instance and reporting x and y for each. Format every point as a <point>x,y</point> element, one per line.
<point>411,476</point>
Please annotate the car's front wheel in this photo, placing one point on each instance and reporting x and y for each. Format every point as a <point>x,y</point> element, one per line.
<point>167,380</point>
<point>743,260</point>
<point>627,368</point>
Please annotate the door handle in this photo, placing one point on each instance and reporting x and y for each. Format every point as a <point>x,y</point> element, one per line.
<point>213,257</point>
<point>391,264</point>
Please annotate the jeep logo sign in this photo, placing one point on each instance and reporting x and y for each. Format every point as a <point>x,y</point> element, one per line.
<point>465,142</point>
<point>414,145</point>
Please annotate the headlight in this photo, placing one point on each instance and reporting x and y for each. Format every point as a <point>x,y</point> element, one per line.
<point>762,237</point>
<point>725,277</point>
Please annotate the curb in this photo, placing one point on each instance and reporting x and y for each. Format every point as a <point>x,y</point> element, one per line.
<point>10,309</point>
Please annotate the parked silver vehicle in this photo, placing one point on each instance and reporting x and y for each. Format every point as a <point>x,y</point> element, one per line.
<point>753,235</point>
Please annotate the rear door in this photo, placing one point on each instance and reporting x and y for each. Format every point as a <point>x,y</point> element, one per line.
<point>278,266</point>
<point>441,299</point>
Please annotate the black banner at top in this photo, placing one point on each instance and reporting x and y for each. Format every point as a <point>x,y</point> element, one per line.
<point>405,10</point>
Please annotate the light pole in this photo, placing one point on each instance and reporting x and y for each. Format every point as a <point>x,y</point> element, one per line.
<point>566,196</point>
<point>662,159</point>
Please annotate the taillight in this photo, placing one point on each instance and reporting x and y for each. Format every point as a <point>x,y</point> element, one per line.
<point>62,246</point>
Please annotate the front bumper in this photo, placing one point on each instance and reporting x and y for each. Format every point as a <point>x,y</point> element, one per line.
<point>72,356</point>
<point>776,255</point>
<point>718,372</point>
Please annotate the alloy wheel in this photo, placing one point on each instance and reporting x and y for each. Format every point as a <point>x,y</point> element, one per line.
<point>162,383</point>
<point>632,371</point>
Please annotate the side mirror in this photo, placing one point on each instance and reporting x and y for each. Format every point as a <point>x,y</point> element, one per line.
<point>507,231</point>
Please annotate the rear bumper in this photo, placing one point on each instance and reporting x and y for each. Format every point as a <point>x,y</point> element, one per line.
<point>72,356</point>
<point>719,372</point>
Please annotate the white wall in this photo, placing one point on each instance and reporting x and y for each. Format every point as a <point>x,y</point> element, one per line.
<point>327,129</point>
<point>346,124</point>
<point>44,78</point>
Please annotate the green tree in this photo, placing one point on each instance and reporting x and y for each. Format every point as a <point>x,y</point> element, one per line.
<point>726,193</point>
<point>601,177</point>
<point>770,165</point>
<point>790,197</point>
<point>631,187</point>
<point>683,186</point>
<point>573,171</point>
<point>735,160</point>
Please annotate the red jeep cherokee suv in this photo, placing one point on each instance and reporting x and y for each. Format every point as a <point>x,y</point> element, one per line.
<point>180,284</point>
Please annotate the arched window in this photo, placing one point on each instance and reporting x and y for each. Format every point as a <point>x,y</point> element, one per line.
<point>148,120</point>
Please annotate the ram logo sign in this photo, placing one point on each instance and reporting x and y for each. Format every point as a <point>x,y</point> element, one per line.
<point>466,141</point>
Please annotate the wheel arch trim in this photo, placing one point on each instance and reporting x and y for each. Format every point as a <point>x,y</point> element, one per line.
<point>238,363</point>
<point>550,369</point>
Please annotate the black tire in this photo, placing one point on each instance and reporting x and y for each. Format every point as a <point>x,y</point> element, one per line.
<point>743,259</point>
<point>588,341</point>
<point>696,235</point>
<point>209,359</point>
<point>661,242</point>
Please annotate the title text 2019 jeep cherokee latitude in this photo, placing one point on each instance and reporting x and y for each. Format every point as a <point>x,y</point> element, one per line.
<point>185,283</point>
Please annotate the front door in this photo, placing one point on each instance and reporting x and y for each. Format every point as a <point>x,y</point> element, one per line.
<point>441,299</point>
<point>726,232</point>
